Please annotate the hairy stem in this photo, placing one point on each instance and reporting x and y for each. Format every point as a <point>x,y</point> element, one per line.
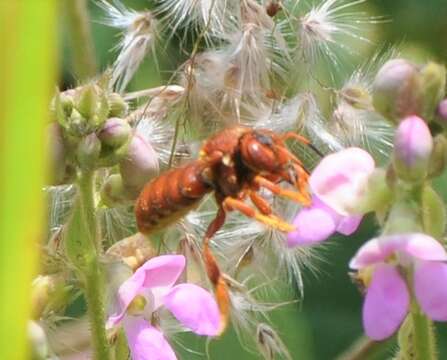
<point>91,272</point>
<point>82,48</point>
<point>424,343</point>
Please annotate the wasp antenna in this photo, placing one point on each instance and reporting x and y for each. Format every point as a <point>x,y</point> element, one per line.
<point>303,140</point>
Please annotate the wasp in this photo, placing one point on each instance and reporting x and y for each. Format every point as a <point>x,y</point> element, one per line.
<point>234,164</point>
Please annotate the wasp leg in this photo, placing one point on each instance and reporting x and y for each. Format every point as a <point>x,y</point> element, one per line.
<point>301,197</point>
<point>270,220</point>
<point>213,271</point>
<point>301,139</point>
<point>262,204</point>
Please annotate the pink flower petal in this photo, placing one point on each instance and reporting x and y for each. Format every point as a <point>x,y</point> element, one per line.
<point>349,224</point>
<point>195,308</point>
<point>417,245</point>
<point>430,285</point>
<point>126,293</point>
<point>339,179</point>
<point>157,274</point>
<point>386,303</point>
<point>313,224</point>
<point>145,341</point>
<point>160,274</point>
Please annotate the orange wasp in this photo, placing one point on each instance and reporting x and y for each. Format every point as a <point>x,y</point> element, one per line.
<point>234,164</point>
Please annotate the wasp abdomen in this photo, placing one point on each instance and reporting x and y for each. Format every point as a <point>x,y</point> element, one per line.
<point>170,196</point>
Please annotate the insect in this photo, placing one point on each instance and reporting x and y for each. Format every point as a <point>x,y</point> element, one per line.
<point>235,164</point>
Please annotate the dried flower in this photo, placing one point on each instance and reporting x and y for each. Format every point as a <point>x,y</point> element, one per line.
<point>139,35</point>
<point>387,297</point>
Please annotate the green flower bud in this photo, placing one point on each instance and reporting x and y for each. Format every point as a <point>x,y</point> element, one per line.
<point>117,106</point>
<point>356,96</point>
<point>48,293</point>
<point>88,151</point>
<point>62,107</point>
<point>139,165</point>
<point>113,192</point>
<point>93,105</point>
<point>433,213</point>
<point>433,87</point>
<point>397,90</point>
<point>115,132</point>
<point>413,146</point>
<point>57,154</point>
<point>438,159</point>
<point>377,195</point>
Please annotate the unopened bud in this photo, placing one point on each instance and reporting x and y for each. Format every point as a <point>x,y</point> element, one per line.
<point>397,90</point>
<point>113,192</point>
<point>48,293</point>
<point>413,146</point>
<point>117,105</point>
<point>88,151</point>
<point>433,213</point>
<point>139,165</point>
<point>115,132</point>
<point>438,159</point>
<point>442,112</point>
<point>433,87</point>
<point>377,195</point>
<point>93,105</point>
<point>38,341</point>
<point>357,97</point>
<point>56,154</point>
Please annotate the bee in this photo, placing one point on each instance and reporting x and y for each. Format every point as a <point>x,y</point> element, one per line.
<point>234,164</point>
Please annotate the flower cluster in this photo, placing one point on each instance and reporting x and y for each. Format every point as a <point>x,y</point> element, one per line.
<point>240,69</point>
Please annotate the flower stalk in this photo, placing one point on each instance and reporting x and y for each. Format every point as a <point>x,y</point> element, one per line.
<point>82,241</point>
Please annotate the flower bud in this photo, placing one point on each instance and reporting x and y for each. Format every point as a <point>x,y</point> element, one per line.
<point>433,87</point>
<point>62,107</point>
<point>356,96</point>
<point>115,132</point>
<point>88,151</point>
<point>433,213</point>
<point>139,165</point>
<point>117,105</point>
<point>438,159</point>
<point>38,341</point>
<point>442,112</point>
<point>397,90</point>
<point>413,146</point>
<point>56,154</point>
<point>113,192</point>
<point>377,195</point>
<point>48,293</point>
<point>93,105</point>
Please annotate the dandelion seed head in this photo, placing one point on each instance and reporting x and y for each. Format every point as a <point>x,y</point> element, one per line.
<point>325,27</point>
<point>270,344</point>
<point>138,39</point>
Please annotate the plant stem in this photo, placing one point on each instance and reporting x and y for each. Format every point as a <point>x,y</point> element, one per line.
<point>423,336</point>
<point>83,52</point>
<point>91,273</point>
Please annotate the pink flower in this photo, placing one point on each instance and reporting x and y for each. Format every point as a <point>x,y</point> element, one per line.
<point>387,298</point>
<point>337,183</point>
<point>193,306</point>
<point>317,222</point>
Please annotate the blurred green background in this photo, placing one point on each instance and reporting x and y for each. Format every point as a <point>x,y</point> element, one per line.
<point>327,320</point>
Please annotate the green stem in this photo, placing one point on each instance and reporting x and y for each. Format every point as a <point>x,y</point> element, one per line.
<point>83,53</point>
<point>91,272</point>
<point>424,343</point>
